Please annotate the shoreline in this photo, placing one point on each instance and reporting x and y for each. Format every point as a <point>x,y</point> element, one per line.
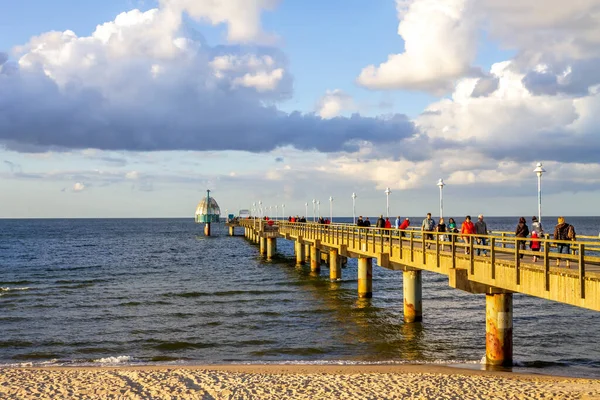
<point>275,381</point>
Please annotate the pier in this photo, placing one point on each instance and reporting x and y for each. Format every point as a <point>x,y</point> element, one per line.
<point>572,279</point>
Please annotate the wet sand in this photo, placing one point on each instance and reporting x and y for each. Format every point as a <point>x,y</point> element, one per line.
<point>286,382</point>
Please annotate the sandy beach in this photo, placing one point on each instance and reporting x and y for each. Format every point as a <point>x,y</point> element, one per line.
<point>286,382</point>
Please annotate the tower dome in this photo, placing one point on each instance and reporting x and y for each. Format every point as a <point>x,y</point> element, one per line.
<point>207,210</point>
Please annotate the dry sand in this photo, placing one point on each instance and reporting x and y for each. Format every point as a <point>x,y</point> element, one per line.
<point>286,382</point>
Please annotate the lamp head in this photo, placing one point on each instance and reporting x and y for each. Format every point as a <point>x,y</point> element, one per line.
<point>387,191</point>
<point>539,170</point>
<point>441,183</point>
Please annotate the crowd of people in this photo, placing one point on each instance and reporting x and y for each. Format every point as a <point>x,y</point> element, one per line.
<point>469,230</point>
<point>478,231</point>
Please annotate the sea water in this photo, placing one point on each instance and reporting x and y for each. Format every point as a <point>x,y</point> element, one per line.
<point>156,291</point>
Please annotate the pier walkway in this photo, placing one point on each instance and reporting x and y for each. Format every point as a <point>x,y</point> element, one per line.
<point>505,269</point>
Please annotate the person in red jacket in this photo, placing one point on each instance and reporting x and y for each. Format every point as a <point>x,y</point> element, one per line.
<point>534,244</point>
<point>467,228</point>
<point>404,225</point>
<point>388,224</point>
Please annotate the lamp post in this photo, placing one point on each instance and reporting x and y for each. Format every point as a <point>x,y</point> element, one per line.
<point>354,208</point>
<point>306,210</point>
<point>283,211</point>
<point>441,186</point>
<point>330,208</point>
<point>387,202</point>
<point>314,212</point>
<point>260,212</point>
<point>319,208</point>
<point>539,170</point>
<point>276,213</point>
<point>254,209</point>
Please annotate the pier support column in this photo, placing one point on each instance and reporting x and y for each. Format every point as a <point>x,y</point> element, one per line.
<point>207,229</point>
<point>307,251</point>
<point>299,253</point>
<point>413,302</point>
<point>271,247</point>
<point>335,265</point>
<point>231,231</point>
<point>365,277</point>
<point>315,259</point>
<point>263,245</point>
<point>498,329</point>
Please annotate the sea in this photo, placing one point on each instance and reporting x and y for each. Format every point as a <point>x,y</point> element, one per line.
<point>81,292</point>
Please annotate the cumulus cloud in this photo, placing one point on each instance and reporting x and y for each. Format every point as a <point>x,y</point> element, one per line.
<point>147,82</point>
<point>439,46</point>
<point>567,31</point>
<point>241,16</point>
<point>78,187</point>
<point>334,102</point>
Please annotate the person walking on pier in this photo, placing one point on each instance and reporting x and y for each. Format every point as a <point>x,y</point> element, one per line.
<point>534,245</point>
<point>428,225</point>
<point>388,224</point>
<point>404,225</point>
<point>367,223</point>
<point>522,231</point>
<point>563,231</point>
<point>467,228</point>
<point>359,221</point>
<point>481,229</point>
<point>441,229</point>
<point>537,226</point>
<point>398,222</point>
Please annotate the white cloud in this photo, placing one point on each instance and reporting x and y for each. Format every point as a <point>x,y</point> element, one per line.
<point>241,16</point>
<point>334,102</point>
<point>439,46</point>
<point>146,82</point>
<point>78,187</point>
<point>133,175</point>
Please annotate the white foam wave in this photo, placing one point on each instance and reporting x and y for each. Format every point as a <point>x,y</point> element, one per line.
<point>389,362</point>
<point>115,360</point>
<point>7,289</point>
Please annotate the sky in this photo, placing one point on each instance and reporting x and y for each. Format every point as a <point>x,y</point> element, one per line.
<point>125,108</point>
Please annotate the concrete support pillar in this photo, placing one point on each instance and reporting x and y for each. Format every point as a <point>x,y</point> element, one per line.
<point>365,277</point>
<point>300,253</point>
<point>271,247</point>
<point>413,301</point>
<point>307,250</point>
<point>263,245</point>
<point>207,229</point>
<point>498,329</point>
<point>315,259</point>
<point>256,238</point>
<point>246,230</point>
<point>335,265</point>
<point>231,231</point>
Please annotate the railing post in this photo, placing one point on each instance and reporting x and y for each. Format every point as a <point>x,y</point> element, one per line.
<point>517,261</point>
<point>381,237</point>
<point>547,265</point>
<point>423,238</point>
<point>582,270</point>
<point>503,242</point>
<point>453,248</point>
<point>493,256</point>
<point>471,255</point>
<point>412,246</point>
<point>437,250</point>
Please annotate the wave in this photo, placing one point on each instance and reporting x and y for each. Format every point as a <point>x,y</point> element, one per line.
<point>9,289</point>
<point>115,360</point>
<point>225,293</point>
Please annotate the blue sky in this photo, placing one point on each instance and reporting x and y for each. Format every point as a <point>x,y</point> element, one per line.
<point>128,122</point>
